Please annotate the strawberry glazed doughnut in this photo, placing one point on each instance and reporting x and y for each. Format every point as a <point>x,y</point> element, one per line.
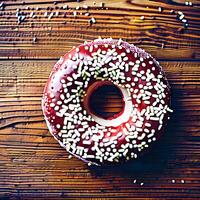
<point>76,76</point>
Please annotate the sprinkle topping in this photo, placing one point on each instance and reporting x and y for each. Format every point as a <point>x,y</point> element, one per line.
<point>129,68</point>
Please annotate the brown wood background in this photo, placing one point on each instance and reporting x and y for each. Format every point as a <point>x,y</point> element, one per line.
<point>32,164</point>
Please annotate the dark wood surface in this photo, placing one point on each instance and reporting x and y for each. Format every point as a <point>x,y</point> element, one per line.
<point>32,164</point>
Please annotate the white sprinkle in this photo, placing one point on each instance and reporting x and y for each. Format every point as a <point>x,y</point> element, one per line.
<point>65,120</point>
<point>148,125</point>
<point>173,181</point>
<point>86,47</point>
<point>180,13</point>
<point>52,105</point>
<point>62,80</point>
<point>51,15</point>
<point>142,136</point>
<point>128,78</point>
<point>170,110</point>
<point>59,102</point>
<point>125,58</point>
<point>143,65</point>
<point>146,130</point>
<point>154,118</point>
<point>51,95</point>
<point>147,102</point>
<point>181,17</point>
<point>140,86</point>
<point>91,48</point>
<point>87,142</point>
<point>85,6</point>
<point>75,13</point>
<point>58,126</point>
<point>184,20</point>
<point>32,14</point>
<point>119,42</point>
<point>190,3</point>
<point>149,140</point>
<point>150,62</point>
<point>135,55</point>
<point>57,13</point>
<point>56,108</point>
<point>87,14</point>
<point>45,14</point>
<point>62,96</point>
<point>182,181</point>
<point>160,9</point>
<point>78,83</point>
<point>150,135</point>
<point>141,59</point>
<point>69,84</point>
<point>142,17</point>
<point>92,20</point>
<point>102,4</point>
<point>65,7</point>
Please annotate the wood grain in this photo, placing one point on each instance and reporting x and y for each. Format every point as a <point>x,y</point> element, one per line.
<point>34,166</point>
<point>117,19</point>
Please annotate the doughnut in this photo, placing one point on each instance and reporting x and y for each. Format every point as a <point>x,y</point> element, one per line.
<point>144,90</point>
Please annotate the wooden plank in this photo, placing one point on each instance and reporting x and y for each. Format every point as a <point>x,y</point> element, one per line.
<point>34,166</point>
<point>160,33</point>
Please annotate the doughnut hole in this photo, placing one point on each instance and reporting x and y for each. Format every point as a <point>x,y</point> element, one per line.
<point>105,100</point>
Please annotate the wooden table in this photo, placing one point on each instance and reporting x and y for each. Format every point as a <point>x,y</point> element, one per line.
<point>32,164</point>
